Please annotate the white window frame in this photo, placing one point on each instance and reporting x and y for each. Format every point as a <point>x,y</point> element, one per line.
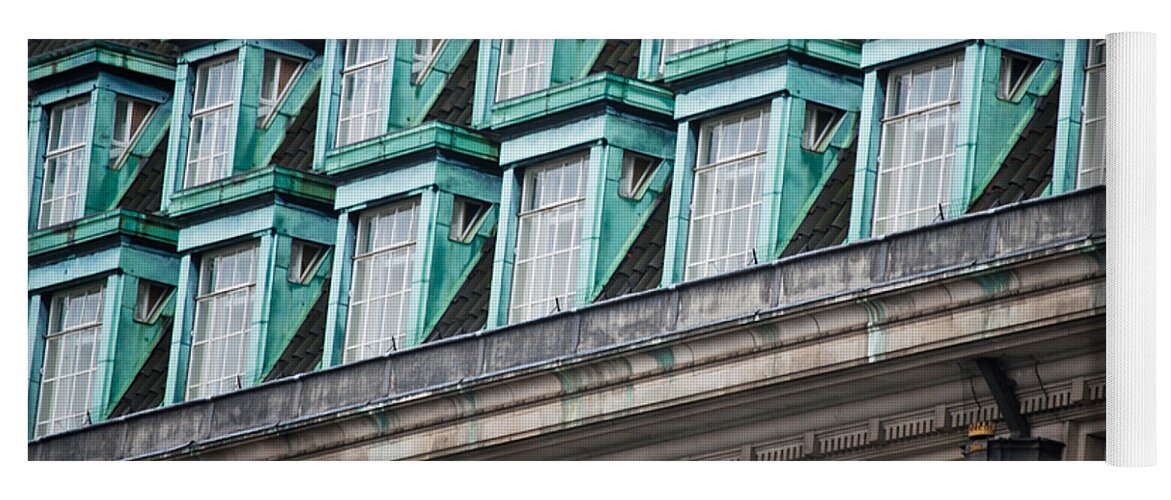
<point>1092,175</point>
<point>672,46</point>
<point>147,310</point>
<point>366,336</point>
<point>299,270</point>
<point>711,246</point>
<point>887,216</point>
<point>56,411</point>
<point>77,173</point>
<point>464,224</point>
<point>222,147</point>
<point>545,269</point>
<point>811,140</point>
<point>213,299</point>
<point>1007,88</point>
<point>533,68</point>
<point>266,107</point>
<point>633,187</point>
<point>423,59</point>
<point>120,148</point>
<point>373,94</point>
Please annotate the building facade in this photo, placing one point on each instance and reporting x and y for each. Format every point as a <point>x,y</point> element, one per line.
<point>565,249</point>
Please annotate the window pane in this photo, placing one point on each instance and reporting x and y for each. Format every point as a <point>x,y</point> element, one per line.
<point>65,163</point>
<point>522,69</point>
<point>381,281</point>
<point>212,135</point>
<point>70,360</point>
<point>917,146</point>
<point>1092,155</point>
<point>727,193</point>
<point>549,236</point>
<point>361,109</point>
<point>223,331</point>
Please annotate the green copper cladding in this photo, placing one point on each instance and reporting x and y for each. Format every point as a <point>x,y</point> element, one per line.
<point>1001,122</point>
<point>38,321</point>
<point>107,178</point>
<point>989,125</point>
<point>610,223</point>
<point>440,264</point>
<point>255,141</point>
<point>794,176</point>
<point>727,53</point>
<point>118,222</point>
<point>133,339</point>
<point>866,162</point>
<point>1069,117</point>
<point>679,213</point>
<point>279,305</point>
<point>617,222</point>
<point>407,100</point>
<point>430,135</point>
<point>271,180</point>
<point>504,257</point>
<point>594,88</point>
<point>569,62</point>
<point>124,342</point>
<point>103,53</point>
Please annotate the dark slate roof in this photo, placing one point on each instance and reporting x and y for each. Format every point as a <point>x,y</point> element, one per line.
<point>41,47</point>
<point>296,149</point>
<point>304,350</point>
<point>1028,168</point>
<point>642,268</point>
<point>828,221</point>
<point>149,385</point>
<point>620,57</point>
<point>454,104</point>
<point>468,310</point>
<point>146,190</point>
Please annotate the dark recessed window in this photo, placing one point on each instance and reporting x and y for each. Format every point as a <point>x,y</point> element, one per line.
<point>466,215</point>
<point>303,261</point>
<point>1015,71</point>
<point>637,171</point>
<point>279,72</point>
<point>820,123</point>
<point>151,297</point>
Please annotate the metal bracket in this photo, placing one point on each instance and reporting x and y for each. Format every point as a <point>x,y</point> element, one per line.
<point>1002,390</point>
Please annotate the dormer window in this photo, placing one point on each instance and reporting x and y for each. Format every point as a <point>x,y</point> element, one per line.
<point>425,50</point>
<point>1092,157</point>
<point>363,93</point>
<point>918,144</point>
<point>820,123</point>
<point>279,73</point>
<point>213,133</point>
<point>151,297</point>
<point>524,68</point>
<point>304,259</point>
<point>1015,70</point>
<point>66,163</point>
<point>380,297</point>
<point>70,361</point>
<point>727,194</point>
<point>466,215</point>
<point>223,333</point>
<point>129,117</point>
<point>549,239</point>
<point>637,171</point>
